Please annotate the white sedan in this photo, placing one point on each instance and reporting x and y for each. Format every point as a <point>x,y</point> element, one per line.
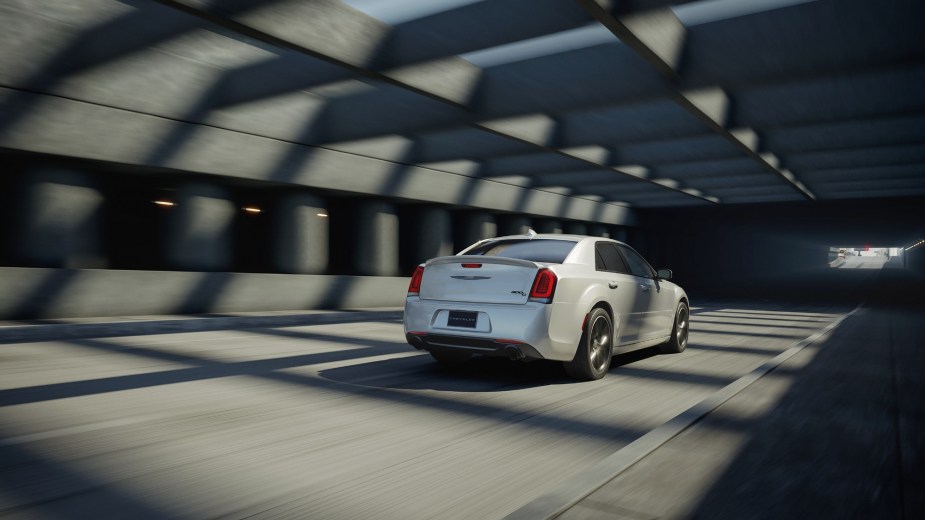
<point>569,298</point>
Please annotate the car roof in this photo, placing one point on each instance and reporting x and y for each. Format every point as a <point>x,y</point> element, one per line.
<point>553,236</point>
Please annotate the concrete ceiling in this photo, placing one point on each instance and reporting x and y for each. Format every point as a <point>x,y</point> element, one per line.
<point>649,103</point>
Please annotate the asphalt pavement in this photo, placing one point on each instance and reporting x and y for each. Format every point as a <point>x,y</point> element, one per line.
<point>344,420</point>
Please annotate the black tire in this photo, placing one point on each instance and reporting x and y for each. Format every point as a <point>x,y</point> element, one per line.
<point>592,358</point>
<point>448,357</point>
<point>679,333</point>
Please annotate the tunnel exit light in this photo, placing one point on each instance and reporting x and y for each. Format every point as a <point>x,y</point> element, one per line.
<point>163,203</point>
<point>322,215</point>
<point>865,257</point>
<point>251,209</point>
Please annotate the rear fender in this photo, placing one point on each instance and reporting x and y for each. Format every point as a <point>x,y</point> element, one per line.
<point>595,295</point>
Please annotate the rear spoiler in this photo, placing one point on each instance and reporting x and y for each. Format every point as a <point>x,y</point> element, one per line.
<point>480,259</point>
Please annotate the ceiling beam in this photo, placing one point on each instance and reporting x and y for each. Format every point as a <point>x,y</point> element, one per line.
<point>659,38</point>
<point>274,23</point>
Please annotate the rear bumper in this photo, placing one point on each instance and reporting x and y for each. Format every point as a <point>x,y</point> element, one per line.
<point>536,330</point>
<point>481,346</point>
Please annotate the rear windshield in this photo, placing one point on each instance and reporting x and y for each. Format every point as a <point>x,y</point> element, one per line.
<point>548,251</point>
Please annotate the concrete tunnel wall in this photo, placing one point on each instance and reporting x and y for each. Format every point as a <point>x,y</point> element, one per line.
<point>89,239</point>
<point>81,240</point>
<point>726,250</point>
<point>72,293</point>
<point>914,259</point>
<point>728,256</point>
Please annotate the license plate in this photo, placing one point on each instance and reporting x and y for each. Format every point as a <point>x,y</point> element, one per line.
<point>462,319</point>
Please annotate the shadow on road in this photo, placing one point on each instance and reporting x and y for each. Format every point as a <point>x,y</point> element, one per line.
<point>476,375</point>
<point>480,374</point>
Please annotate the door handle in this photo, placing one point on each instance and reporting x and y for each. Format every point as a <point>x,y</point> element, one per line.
<point>613,285</point>
<point>644,287</point>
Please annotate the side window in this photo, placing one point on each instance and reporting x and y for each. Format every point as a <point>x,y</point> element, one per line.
<point>607,258</point>
<point>637,265</point>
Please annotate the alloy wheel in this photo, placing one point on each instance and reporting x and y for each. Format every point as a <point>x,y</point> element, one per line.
<point>682,326</point>
<point>600,344</point>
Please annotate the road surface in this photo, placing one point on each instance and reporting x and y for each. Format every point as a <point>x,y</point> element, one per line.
<point>339,420</point>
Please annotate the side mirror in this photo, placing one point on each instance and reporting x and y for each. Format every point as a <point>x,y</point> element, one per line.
<point>664,274</point>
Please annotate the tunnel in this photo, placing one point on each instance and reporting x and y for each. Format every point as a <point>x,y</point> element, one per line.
<point>212,212</point>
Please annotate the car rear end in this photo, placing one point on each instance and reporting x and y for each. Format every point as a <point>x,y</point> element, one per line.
<point>493,305</point>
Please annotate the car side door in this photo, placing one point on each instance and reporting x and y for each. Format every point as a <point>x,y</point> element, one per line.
<point>613,271</point>
<point>649,306</point>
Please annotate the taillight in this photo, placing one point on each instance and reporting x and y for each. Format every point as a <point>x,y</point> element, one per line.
<point>414,288</point>
<point>544,286</point>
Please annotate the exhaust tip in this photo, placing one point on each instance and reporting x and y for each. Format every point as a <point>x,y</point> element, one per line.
<point>416,341</point>
<point>514,353</point>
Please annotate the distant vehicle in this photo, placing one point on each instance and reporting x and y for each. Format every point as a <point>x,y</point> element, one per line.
<point>569,298</point>
<point>841,253</point>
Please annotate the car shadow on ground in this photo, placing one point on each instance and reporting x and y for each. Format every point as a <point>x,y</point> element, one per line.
<point>479,374</point>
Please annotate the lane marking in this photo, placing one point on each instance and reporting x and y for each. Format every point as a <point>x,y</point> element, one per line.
<point>566,495</point>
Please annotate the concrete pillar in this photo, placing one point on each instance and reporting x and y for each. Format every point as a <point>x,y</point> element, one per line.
<point>428,234</point>
<point>472,226</point>
<point>547,225</point>
<point>598,230</point>
<point>575,228</point>
<point>60,221</point>
<point>375,251</point>
<point>300,234</point>
<point>199,229</point>
<point>513,224</point>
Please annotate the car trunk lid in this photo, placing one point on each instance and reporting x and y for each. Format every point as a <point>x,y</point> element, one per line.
<point>475,278</point>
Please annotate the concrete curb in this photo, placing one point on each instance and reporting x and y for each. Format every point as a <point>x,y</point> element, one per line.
<point>141,327</point>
